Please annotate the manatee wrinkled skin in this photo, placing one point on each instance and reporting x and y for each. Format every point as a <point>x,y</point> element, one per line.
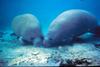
<point>68,25</point>
<point>27,27</point>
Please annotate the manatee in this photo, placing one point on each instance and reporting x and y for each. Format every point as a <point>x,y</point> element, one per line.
<point>69,25</point>
<point>27,28</point>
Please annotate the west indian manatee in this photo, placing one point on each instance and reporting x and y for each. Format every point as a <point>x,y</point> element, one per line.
<point>68,25</point>
<point>27,28</point>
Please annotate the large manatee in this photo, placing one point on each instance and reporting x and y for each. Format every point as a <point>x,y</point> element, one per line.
<point>68,25</point>
<point>27,27</point>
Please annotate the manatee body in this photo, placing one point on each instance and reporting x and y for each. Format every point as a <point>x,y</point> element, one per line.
<point>27,27</point>
<point>68,25</point>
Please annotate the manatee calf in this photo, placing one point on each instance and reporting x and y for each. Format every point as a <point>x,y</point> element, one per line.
<point>68,25</point>
<point>27,28</point>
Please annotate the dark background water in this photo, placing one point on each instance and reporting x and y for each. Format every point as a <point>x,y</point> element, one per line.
<point>44,10</point>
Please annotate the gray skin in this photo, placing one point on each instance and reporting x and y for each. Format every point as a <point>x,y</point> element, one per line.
<point>27,28</point>
<point>69,25</point>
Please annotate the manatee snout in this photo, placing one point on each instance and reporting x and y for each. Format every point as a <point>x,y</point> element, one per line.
<point>46,42</point>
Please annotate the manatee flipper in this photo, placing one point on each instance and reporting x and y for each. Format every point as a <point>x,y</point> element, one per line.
<point>20,40</point>
<point>24,42</point>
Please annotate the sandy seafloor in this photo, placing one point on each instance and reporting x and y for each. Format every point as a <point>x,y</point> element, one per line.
<point>12,53</point>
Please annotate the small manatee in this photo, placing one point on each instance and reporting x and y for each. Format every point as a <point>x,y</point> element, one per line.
<point>68,25</point>
<point>26,27</point>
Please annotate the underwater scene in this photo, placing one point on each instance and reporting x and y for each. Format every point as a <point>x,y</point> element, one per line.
<point>49,33</point>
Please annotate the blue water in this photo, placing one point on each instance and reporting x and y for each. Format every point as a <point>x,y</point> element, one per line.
<point>44,10</point>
